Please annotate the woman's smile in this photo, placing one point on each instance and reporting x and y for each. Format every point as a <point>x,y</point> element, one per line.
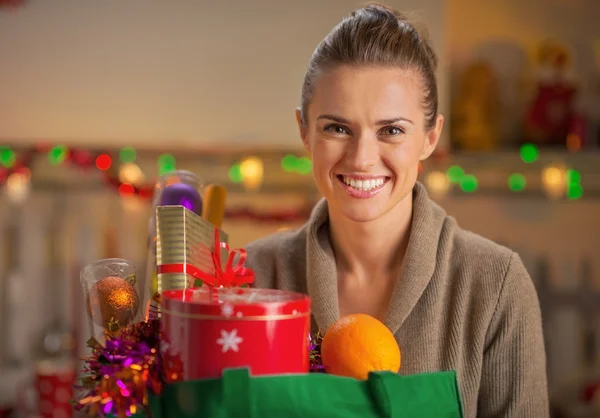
<point>362,186</point>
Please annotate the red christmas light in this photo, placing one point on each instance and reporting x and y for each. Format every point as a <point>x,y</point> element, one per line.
<point>103,162</point>
<point>126,189</point>
<point>146,192</point>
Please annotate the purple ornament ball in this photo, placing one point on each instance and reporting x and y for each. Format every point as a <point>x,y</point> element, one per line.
<point>182,194</point>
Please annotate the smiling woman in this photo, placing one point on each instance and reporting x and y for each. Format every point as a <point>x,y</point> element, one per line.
<point>360,126</point>
<point>376,244</point>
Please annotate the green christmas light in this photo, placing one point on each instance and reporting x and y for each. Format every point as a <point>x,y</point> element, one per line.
<point>468,183</point>
<point>529,153</point>
<point>455,174</point>
<point>574,187</point>
<point>574,191</point>
<point>288,163</point>
<point>235,173</point>
<point>517,182</point>
<point>573,177</point>
<point>7,157</point>
<point>292,164</point>
<point>127,155</point>
<point>304,165</point>
<point>166,164</point>
<point>57,154</point>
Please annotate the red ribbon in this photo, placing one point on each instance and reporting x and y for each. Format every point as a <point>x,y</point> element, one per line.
<point>232,275</point>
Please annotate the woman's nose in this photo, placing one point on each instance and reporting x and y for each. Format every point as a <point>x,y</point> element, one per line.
<point>363,153</point>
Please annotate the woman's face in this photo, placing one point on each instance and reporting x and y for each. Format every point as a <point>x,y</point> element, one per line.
<point>365,131</point>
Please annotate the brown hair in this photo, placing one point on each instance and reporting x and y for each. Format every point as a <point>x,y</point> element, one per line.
<point>375,35</point>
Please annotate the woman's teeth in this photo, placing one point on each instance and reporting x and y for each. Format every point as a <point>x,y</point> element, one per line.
<point>363,184</point>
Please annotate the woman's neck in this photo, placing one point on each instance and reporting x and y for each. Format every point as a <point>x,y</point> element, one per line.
<point>365,249</point>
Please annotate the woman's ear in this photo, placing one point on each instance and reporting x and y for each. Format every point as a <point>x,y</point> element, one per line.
<point>302,128</point>
<point>432,137</point>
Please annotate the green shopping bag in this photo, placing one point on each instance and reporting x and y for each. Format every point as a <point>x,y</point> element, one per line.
<point>383,395</point>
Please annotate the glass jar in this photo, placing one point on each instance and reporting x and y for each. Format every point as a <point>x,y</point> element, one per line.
<point>111,293</point>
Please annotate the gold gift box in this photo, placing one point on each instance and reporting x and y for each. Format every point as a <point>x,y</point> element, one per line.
<point>184,238</point>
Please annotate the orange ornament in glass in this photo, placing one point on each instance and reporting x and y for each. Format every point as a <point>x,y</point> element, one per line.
<point>111,295</point>
<point>112,303</point>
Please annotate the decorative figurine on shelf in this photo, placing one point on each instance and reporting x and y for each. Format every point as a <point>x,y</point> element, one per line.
<point>552,112</point>
<point>475,113</point>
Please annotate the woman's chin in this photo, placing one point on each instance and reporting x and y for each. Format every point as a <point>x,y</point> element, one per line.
<point>361,211</point>
<point>363,208</point>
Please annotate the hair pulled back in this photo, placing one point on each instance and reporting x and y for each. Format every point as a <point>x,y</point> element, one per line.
<point>371,36</point>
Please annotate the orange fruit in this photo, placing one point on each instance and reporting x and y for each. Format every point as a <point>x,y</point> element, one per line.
<point>358,344</point>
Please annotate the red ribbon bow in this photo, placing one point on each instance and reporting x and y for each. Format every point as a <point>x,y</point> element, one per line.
<point>232,275</point>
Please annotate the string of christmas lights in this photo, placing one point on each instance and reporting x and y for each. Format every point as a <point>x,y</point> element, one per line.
<point>557,180</point>
<point>119,171</point>
<point>19,164</point>
<point>15,167</point>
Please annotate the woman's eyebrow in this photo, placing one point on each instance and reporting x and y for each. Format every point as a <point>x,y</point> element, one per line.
<point>340,119</point>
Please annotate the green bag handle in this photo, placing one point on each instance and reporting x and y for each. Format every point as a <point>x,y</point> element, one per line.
<point>379,383</point>
<point>385,386</point>
<point>237,393</point>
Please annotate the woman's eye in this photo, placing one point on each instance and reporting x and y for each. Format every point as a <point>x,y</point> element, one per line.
<point>392,131</point>
<point>336,129</point>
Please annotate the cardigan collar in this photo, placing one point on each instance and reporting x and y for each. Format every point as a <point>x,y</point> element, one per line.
<point>416,272</point>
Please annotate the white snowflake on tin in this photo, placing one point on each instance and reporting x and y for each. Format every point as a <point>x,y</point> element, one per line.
<point>229,341</point>
<point>227,310</point>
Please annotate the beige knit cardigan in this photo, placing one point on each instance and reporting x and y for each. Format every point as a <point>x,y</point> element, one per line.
<point>461,303</point>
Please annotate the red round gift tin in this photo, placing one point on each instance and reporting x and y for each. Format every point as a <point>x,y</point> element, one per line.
<point>206,330</point>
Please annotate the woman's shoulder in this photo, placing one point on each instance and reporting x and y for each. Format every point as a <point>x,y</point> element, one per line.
<point>485,263</point>
<point>457,248</point>
<point>278,258</point>
<point>470,246</point>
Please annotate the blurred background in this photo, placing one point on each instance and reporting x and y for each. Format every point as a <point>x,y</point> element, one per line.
<point>99,98</point>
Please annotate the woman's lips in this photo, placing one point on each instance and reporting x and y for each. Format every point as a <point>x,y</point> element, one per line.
<point>362,187</point>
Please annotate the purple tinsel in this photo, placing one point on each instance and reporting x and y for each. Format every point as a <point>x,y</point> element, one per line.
<point>314,350</point>
<point>122,372</point>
